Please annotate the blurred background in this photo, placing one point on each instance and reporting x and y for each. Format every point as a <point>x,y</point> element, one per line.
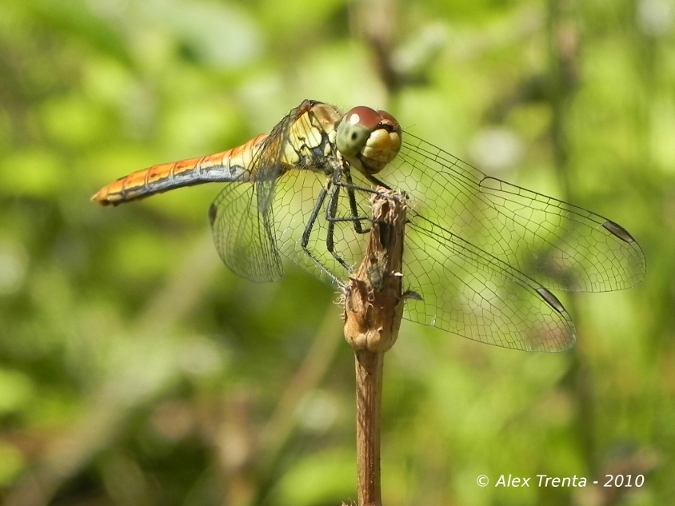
<point>135,369</point>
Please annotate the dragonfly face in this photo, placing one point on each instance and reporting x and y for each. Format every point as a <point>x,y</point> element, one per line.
<point>480,254</point>
<point>368,139</point>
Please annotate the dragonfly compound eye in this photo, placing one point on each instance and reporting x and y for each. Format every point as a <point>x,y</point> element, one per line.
<point>354,129</point>
<point>368,139</point>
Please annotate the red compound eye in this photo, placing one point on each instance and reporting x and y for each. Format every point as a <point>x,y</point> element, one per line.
<point>388,119</point>
<point>368,139</point>
<point>364,116</point>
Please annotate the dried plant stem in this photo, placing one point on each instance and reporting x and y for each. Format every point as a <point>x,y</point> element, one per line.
<point>373,311</point>
<point>368,401</point>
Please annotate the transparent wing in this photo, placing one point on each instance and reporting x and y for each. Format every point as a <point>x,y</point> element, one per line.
<point>466,291</point>
<point>243,232</point>
<point>458,287</point>
<point>242,215</point>
<point>560,245</point>
<point>296,201</point>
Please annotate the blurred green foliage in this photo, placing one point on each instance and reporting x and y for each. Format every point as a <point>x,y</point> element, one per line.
<point>135,369</point>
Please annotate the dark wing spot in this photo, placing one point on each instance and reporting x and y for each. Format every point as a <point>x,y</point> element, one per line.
<point>551,299</point>
<point>618,231</point>
<point>213,213</point>
<point>409,294</point>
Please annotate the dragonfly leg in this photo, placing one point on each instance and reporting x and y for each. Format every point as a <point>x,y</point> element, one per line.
<point>352,206</point>
<point>304,241</point>
<point>331,211</point>
<point>332,193</point>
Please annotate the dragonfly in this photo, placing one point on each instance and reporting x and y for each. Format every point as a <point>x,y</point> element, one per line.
<point>481,255</point>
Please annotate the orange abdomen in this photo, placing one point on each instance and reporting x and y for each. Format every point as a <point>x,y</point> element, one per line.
<point>227,166</point>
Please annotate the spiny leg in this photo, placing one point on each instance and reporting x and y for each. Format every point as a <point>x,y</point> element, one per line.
<point>308,232</point>
<point>352,205</point>
<point>331,211</point>
<point>351,192</point>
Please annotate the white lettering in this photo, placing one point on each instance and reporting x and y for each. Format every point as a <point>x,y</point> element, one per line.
<point>554,481</point>
<point>512,481</point>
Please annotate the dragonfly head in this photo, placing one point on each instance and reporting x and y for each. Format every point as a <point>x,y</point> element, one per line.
<point>368,139</point>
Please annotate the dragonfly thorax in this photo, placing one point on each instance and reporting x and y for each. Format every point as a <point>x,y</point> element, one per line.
<point>311,137</point>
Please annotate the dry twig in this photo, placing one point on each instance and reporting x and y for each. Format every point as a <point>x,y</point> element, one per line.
<point>373,311</point>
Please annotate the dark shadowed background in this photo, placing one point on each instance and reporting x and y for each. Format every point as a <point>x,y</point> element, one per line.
<point>135,369</point>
